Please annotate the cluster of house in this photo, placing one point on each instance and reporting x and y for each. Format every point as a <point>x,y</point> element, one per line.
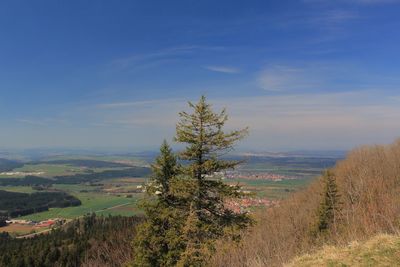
<point>20,173</point>
<point>257,176</point>
<point>243,205</point>
<point>45,223</point>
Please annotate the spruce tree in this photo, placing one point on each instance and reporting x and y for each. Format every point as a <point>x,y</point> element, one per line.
<point>206,142</point>
<point>164,170</point>
<point>158,241</point>
<point>329,209</point>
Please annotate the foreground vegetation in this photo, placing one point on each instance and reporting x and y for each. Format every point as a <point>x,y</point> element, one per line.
<point>185,210</point>
<point>357,200</point>
<point>381,250</point>
<point>89,241</point>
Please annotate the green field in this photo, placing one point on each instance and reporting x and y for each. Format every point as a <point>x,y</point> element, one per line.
<point>99,203</point>
<point>271,189</point>
<point>47,170</point>
<point>19,189</point>
<point>109,197</point>
<point>136,161</point>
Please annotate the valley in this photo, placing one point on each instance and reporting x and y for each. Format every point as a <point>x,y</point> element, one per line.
<point>112,185</point>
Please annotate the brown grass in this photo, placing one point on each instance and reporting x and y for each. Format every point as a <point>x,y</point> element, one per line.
<point>369,185</point>
<point>381,250</point>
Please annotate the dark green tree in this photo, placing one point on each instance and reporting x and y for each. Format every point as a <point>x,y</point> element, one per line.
<point>206,143</point>
<point>158,241</point>
<point>164,170</point>
<point>3,221</point>
<point>329,210</point>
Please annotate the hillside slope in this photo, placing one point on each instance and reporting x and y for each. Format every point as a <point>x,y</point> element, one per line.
<point>381,250</point>
<point>367,189</point>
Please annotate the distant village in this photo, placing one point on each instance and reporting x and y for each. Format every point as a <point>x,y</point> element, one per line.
<point>45,223</point>
<point>30,228</point>
<point>244,205</point>
<point>257,176</point>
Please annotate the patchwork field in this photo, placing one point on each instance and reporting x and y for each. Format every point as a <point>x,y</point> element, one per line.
<point>106,188</point>
<point>273,190</point>
<point>22,229</point>
<point>18,189</point>
<point>92,201</point>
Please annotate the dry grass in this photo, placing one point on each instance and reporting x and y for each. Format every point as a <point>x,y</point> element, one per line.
<point>18,228</point>
<point>381,250</point>
<point>369,184</point>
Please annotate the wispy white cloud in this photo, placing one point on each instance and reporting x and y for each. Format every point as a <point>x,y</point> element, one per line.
<point>32,122</point>
<point>323,75</point>
<point>42,122</point>
<point>327,24</point>
<point>155,58</point>
<point>143,103</point>
<point>362,2</point>
<point>294,120</point>
<point>324,19</point>
<point>333,18</point>
<point>285,78</point>
<point>223,69</point>
<point>284,121</point>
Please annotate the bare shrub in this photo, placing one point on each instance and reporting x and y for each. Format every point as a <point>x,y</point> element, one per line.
<point>368,181</point>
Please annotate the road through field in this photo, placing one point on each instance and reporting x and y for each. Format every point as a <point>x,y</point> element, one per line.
<point>47,230</point>
<point>110,208</point>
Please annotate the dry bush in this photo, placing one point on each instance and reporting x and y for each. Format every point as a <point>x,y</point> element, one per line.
<point>115,252</point>
<point>369,184</point>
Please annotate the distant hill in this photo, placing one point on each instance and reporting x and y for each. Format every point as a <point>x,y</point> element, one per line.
<point>7,165</point>
<point>297,154</point>
<point>89,163</point>
<point>77,178</point>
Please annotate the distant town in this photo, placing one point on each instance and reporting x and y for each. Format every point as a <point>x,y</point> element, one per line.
<point>257,176</point>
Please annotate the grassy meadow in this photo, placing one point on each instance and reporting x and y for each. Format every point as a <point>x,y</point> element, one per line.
<point>99,203</point>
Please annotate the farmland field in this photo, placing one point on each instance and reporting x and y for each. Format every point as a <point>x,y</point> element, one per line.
<point>119,193</point>
<point>91,202</point>
<point>18,189</point>
<point>273,190</point>
<point>21,229</point>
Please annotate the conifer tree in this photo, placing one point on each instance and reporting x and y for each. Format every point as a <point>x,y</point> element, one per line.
<point>206,142</point>
<point>329,209</point>
<point>158,240</point>
<point>164,170</point>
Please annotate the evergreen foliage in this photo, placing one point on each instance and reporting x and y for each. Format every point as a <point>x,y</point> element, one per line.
<point>185,205</point>
<point>206,143</point>
<point>79,241</point>
<point>329,209</point>
<point>14,204</point>
<point>3,221</point>
<point>157,242</point>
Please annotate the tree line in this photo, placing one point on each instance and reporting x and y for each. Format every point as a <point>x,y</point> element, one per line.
<point>13,204</point>
<point>89,241</point>
<point>31,180</point>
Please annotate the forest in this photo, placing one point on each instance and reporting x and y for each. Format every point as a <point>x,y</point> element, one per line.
<point>8,165</point>
<point>88,163</point>
<point>77,178</point>
<point>13,204</point>
<point>88,241</point>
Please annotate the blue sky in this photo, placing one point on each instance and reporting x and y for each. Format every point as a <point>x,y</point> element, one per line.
<point>306,74</point>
